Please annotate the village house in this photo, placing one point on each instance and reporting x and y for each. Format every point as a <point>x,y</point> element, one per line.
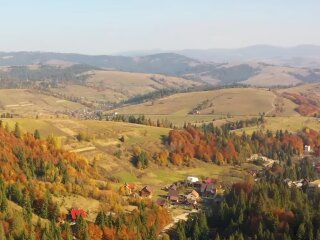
<point>208,190</point>
<point>75,213</point>
<point>162,202</point>
<point>173,195</point>
<point>307,148</point>
<point>193,197</point>
<point>192,180</point>
<point>146,191</point>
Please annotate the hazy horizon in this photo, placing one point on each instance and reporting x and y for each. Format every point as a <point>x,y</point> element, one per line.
<point>108,27</point>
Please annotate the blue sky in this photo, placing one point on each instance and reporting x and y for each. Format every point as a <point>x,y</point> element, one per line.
<point>109,26</point>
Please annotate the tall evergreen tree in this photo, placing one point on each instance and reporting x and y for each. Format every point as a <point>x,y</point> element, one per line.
<point>17,130</point>
<point>36,134</point>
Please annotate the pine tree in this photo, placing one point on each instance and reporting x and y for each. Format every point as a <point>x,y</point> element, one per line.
<point>17,130</point>
<point>55,231</point>
<point>3,197</point>
<point>45,205</point>
<point>27,208</point>
<point>181,231</point>
<point>81,229</point>
<point>36,134</point>
<point>67,231</point>
<point>101,219</point>
<point>196,231</point>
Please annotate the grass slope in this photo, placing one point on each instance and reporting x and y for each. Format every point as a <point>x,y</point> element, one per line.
<point>236,101</point>
<point>29,102</point>
<point>115,86</point>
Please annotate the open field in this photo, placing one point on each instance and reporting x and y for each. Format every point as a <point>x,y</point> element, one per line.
<point>89,93</point>
<point>213,104</point>
<point>236,101</point>
<point>29,102</point>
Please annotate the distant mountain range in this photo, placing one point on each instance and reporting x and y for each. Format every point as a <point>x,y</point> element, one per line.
<point>295,56</point>
<point>302,55</point>
<point>256,65</point>
<point>167,63</point>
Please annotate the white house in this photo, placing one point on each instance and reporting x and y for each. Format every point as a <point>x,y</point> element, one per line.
<point>307,148</point>
<point>192,179</point>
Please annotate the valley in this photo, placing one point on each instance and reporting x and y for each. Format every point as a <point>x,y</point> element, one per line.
<point>113,143</point>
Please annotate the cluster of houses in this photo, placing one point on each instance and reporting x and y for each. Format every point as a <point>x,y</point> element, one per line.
<point>188,192</point>
<point>191,192</point>
<point>84,114</point>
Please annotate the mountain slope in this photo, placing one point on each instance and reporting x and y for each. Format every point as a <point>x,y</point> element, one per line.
<point>303,55</point>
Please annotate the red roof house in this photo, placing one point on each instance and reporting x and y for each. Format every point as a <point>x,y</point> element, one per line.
<point>75,213</point>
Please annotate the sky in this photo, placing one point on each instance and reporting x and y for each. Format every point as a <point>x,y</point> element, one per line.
<point>111,26</point>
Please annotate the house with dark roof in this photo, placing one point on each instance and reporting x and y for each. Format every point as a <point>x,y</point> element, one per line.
<point>208,190</point>
<point>173,195</point>
<point>162,202</point>
<point>146,191</point>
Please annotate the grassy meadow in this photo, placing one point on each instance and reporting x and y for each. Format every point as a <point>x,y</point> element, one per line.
<point>30,103</point>
<point>234,101</point>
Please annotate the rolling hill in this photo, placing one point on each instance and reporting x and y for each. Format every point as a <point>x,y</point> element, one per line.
<point>236,101</point>
<point>213,105</point>
<point>67,67</point>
